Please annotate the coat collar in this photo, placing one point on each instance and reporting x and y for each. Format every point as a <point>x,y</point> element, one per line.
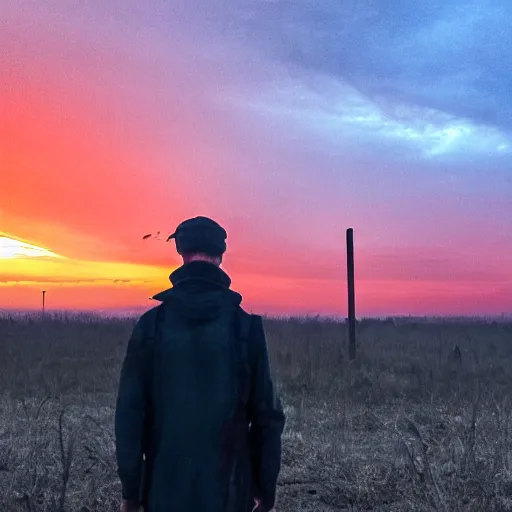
<point>202,271</point>
<point>198,271</point>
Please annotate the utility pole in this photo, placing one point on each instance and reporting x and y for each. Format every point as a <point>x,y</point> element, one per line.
<point>351,295</point>
<point>44,297</point>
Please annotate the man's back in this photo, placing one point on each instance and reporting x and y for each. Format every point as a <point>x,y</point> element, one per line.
<point>187,395</point>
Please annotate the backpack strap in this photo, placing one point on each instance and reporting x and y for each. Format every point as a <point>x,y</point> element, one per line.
<point>236,428</point>
<point>154,324</point>
<point>152,334</point>
<point>154,321</point>
<point>243,325</point>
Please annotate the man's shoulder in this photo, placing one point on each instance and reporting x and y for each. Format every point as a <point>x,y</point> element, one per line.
<point>251,330</point>
<point>247,321</point>
<point>242,311</point>
<point>146,321</point>
<point>149,314</point>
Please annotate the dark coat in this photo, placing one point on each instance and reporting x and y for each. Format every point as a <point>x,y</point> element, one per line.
<point>191,433</point>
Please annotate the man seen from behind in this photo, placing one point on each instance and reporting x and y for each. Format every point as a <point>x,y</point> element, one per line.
<point>198,421</point>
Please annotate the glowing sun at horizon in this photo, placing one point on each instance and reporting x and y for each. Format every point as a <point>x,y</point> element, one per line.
<point>11,248</point>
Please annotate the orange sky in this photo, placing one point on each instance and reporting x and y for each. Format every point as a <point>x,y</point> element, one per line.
<point>111,128</point>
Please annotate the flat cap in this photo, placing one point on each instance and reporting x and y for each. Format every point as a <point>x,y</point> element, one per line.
<point>200,235</point>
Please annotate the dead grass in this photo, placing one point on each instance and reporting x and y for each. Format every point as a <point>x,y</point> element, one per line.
<point>412,425</point>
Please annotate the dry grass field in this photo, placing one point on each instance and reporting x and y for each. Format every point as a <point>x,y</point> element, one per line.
<point>415,424</point>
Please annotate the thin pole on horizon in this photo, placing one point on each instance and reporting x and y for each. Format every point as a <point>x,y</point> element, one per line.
<point>351,295</point>
<point>44,301</point>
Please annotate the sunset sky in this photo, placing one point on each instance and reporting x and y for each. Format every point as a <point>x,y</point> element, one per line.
<point>285,120</point>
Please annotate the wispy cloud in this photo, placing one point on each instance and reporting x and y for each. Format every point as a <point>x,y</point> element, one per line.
<point>447,57</point>
<point>63,281</point>
<point>342,115</point>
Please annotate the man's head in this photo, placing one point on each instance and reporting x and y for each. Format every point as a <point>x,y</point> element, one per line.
<point>200,239</point>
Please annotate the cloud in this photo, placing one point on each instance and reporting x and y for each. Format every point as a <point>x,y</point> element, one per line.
<point>63,281</point>
<point>447,57</point>
<point>340,114</point>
